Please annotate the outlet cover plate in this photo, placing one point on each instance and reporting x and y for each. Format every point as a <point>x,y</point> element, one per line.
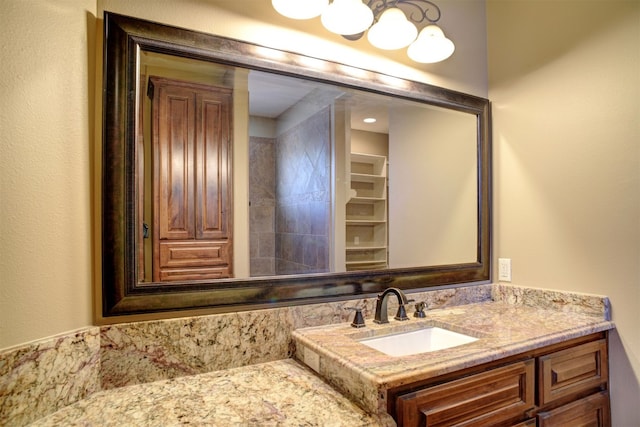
<point>504,269</point>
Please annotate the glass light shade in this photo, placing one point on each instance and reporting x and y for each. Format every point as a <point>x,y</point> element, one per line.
<point>347,17</point>
<point>300,9</point>
<point>392,31</point>
<point>431,46</point>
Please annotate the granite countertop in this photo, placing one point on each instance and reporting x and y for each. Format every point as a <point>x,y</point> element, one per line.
<point>282,393</point>
<point>350,382</point>
<point>502,329</point>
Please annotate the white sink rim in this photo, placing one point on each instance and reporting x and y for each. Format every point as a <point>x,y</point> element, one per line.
<point>424,340</point>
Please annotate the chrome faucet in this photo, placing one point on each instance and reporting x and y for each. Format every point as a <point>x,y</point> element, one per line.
<point>381,306</point>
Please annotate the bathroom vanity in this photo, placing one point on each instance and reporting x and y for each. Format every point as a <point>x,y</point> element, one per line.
<point>570,385</point>
<point>528,366</point>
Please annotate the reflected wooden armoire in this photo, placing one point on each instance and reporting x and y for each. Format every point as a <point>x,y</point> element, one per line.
<point>191,175</point>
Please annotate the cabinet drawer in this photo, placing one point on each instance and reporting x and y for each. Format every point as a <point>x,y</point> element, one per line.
<point>193,260</point>
<point>486,399</point>
<point>174,274</point>
<point>590,411</point>
<point>194,254</point>
<point>572,372</point>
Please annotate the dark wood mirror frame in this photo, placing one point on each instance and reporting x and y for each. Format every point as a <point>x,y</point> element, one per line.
<point>122,294</point>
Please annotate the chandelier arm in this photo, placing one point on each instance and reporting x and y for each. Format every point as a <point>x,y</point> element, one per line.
<point>379,6</point>
<point>423,8</point>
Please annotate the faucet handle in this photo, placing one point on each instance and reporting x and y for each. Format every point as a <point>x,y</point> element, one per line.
<point>402,311</point>
<point>358,319</point>
<point>420,307</point>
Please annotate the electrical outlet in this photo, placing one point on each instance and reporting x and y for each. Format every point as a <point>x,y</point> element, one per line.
<point>504,269</point>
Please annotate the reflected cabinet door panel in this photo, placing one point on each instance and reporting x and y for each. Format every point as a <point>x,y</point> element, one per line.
<point>213,204</point>
<point>190,133</point>
<point>173,136</point>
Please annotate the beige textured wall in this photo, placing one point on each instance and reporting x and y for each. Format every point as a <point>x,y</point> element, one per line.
<point>46,145</point>
<point>565,86</point>
<point>50,127</point>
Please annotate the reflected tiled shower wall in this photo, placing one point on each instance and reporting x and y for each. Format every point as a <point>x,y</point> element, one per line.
<point>290,193</point>
<point>303,190</point>
<point>262,194</point>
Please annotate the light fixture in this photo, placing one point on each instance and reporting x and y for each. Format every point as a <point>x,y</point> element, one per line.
<point>347,17</point>
<point>370,120</point>
<point>431,46</point>
<point>392,31</point>
<point>391,24</point>
<point>300,9</point>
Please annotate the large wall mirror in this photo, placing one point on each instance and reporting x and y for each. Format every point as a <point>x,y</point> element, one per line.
<point>237,176</point>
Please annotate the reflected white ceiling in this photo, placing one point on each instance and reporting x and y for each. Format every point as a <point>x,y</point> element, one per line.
<point>270,95</point>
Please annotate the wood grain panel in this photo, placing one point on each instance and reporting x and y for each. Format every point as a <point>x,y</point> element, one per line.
<point>529,423</point>
<point>569,373</point>
<point>591,411</point>
<point>213,209</point>
<point>170,275</point>
<point>486,399</point>
<point>173,150</point>
<point>192,180</point>
<point>193,254</point>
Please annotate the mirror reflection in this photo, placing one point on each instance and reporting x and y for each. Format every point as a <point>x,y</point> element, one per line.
<point>245,173</point>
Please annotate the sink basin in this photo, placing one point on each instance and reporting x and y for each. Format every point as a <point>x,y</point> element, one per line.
<point>420,341</point>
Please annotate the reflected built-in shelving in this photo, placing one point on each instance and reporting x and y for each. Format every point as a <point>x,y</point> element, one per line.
<point>366,213</point>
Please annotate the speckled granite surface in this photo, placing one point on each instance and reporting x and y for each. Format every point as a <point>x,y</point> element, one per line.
<point>39,378</point>
<point>281,393</point>
<point>502,329</point>
<point>134,353</point>
<point>46,375</point>
<point>568,302</point>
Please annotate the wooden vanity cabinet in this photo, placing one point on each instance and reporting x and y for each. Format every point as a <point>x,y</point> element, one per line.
<point>485,399</point>
<point>559,385</point>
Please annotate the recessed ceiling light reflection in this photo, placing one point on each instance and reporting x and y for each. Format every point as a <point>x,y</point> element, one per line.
<point>370,120</point>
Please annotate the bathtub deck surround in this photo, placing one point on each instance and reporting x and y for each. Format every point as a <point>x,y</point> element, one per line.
<point>84,367</point>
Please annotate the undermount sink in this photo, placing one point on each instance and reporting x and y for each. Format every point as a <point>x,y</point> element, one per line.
<point>419,341</point>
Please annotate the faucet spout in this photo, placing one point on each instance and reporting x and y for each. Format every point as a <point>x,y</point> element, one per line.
<point>381,315</point>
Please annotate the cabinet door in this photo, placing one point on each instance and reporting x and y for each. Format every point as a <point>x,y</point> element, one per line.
<point>592,411</point>
<point>491,398</point>
<point>572,373</point>
<point>192,215</point>
<point>174,162</point>
<point>213,189</point>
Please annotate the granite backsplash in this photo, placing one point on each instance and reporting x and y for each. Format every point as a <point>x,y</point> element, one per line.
<point>39,378</point>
